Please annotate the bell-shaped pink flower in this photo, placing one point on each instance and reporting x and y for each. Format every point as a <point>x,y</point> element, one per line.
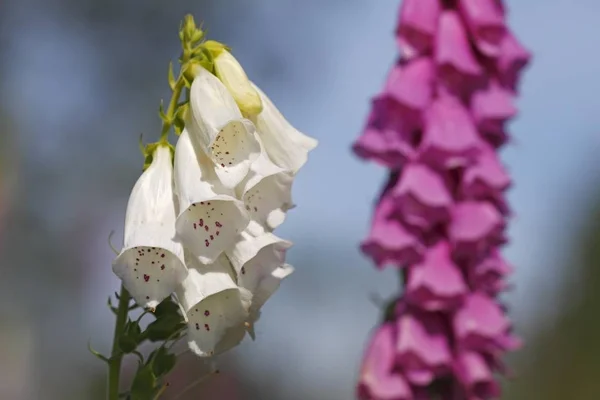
<point>476,377</point>
<point>417,26</point>
<point>485,21</point>
<point>436,283</point>
<point>388,138</point>
<point>389,241</point>
<point>422,346</point>
<point>450,138</point>
<point>491,108</point>
<point>486,179</point>
<point>422,197</point>
<point>512,59</point>
<point>378,380</point>
<point>481,325</point>
<point>458,67</point>
<point>474,228</point>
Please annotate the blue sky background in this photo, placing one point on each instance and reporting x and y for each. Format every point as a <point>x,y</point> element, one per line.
<point>73,158</point>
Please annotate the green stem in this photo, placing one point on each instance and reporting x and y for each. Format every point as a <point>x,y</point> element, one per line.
<point>114,365</point>
<point>170,113</point>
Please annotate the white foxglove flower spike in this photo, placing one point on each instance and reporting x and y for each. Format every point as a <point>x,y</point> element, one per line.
<point>210,217</point>
<point>151,263</point>
<point>259,261</point>
<point>215,307</point>
<point>266,191</point>
<point>233,76</point>
<point>223,133</point>
<point>286,146</point>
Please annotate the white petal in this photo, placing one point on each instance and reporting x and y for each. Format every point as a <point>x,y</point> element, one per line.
<point>267,191</point>
<point>259,263</point>
<point>151,263</point>
<point>223,133</point>
<point>210,217</point>
<point>233,76</point>
<point>286,146</point>
<point>215,307</point>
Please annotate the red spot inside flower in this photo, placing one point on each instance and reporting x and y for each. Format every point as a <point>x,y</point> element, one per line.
<point>206,313</point>
<point>217,233</point>
<point>162,255</point>
<point>243,270</point>
<point>208,204</point>
<point>162,266</point>
<point>212,237</point>
<point>201,222</point>
<point>247,208</point>
<point>206,243</point>
<point>226,152</point>
<point>255,209</point>
<point>197,326</point>
<point>147,297</point>
<point>206,327</point>
<point>146,277</point>
<point>195,225</point>
<point>218,224</point>
<point>137,259</point>
<point>206,228</point>
<point>222,165</point>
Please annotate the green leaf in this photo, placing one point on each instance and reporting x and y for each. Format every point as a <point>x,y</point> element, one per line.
<point>171,77</point>
<point>144,383</point>
<point>163,328</point>
<point>112,308</point>
<point>131,337</point>
<point>163,362</point>
<point>97,354</point>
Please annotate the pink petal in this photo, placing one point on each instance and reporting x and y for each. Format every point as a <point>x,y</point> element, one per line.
<point>417,26</point>
<point>450,138</point>
<point>489,275</point>
<point>486,179</point>
<point>378,381</point>
<point>485,20</point>
<point>436,283</point>
<point>411,84</point>
<point>491,108</point>
<point>481,325</point>
<point>422,197</point>
<point>512,59</point>
<point>458,66</point>
<point>389,241</point>
<point>474,228</point>
<point>422,347</point>
<point>387,139</point>
<point>475,377</point>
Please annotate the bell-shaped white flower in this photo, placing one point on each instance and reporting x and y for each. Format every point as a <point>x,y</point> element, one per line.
<point>266,191</point>
<point>151,263</point>
<point>259,261</point>
<point>222,132</point>
<point>210,216</point>
<point>233,76</point>
<point>215,308</point>
<point>286,146</point>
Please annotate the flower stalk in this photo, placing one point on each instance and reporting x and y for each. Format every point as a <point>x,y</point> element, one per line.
<point>116,356</point>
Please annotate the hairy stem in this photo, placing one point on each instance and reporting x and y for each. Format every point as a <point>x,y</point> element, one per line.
<point>114,365</point>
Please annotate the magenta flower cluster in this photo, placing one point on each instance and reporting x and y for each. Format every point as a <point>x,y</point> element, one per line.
<point>441,219</point>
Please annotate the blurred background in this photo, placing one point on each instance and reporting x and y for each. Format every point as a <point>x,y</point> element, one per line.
<point>81,79</point>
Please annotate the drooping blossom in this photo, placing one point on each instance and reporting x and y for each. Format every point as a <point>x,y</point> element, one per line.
<point>200,224</point>
<point>441,220</point>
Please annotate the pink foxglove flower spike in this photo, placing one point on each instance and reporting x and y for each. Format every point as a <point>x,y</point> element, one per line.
<point>441,219</point>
